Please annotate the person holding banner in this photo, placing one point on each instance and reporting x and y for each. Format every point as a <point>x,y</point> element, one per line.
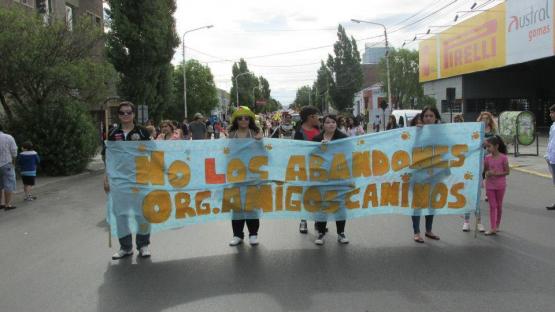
<point>309,128</point>
<point>428,116</point>
<point>243,126</point>
<point>550,156</point>
<point>330,133</point>
<point>128,131</point>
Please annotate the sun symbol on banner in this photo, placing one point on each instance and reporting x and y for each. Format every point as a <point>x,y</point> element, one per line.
<point>226,150</point>
<point>268,147</point>
<point>323,147</point>
<point>141,148</point>
<point>406,177</point>
<point>361,142</point>
<point>468,176</point>
<point>405,135</point>
<point>475,135</point>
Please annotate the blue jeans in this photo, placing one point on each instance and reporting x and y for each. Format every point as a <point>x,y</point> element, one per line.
<point>467,216</point>
<point>141,240</point>
<point>416,223</point>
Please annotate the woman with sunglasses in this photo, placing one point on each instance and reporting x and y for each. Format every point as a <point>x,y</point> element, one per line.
<point>127,130</point>
<point>428,116</point>
<point>243,126</point>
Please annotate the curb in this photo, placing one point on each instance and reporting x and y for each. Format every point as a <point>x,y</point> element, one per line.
<point>532,172</point>
<point>87,172</point>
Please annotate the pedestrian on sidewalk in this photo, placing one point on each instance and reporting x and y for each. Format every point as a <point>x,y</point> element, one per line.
<point>8,154</point>
<point>329,134</point>
<point>496,168</point>
<point>127,130</point>
<point>550,156</point>
<point>428,116</point>
<point>309,128</point>
<point>243,126</point>
<point>28,161</point>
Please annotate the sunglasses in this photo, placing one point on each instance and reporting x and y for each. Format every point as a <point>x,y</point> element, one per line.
<point>245,118</point>
<point>125,113</point>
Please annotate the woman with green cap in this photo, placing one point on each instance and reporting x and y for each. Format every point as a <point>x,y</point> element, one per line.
<point>243,126</point>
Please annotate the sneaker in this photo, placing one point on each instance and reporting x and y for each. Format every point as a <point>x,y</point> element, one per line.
<point>253,240</point>
<point>235,241</point>
<point>320,240</point>
<point>33,197</point>
<point>466,227</point>
<point>122,254</point>
<point>28,198</point>
<point>481,228</point>
<point>144,252</point>
<point>303,227</point>
<point>341,238</point>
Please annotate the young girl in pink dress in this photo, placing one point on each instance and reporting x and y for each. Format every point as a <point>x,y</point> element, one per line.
<point>496,168</point>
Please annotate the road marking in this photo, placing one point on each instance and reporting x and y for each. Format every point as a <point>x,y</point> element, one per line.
<point>532,172</point>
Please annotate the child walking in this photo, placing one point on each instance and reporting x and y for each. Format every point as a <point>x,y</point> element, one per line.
<point>28,160</point>
<point>496,168</point>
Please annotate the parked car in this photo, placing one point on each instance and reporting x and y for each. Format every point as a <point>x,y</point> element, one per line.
<point>404,116</point>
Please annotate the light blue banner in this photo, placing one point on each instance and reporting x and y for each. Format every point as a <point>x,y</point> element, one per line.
<point>159,185</point>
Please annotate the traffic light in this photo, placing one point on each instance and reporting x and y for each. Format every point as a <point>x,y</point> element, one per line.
<point>42,6</point>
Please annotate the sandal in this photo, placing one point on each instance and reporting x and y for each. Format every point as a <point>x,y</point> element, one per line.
<point>432,236</point>
<point>418,239</point>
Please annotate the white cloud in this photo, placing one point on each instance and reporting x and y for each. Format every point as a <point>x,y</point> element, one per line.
<point>248,29</point>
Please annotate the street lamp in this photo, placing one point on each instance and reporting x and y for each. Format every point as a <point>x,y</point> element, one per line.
<point>237,86</point>
<point>386,56</point>
<point>184,71</point>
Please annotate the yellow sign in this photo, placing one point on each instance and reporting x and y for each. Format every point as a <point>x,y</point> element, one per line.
<point>474,45</point>
<point>428,60</point>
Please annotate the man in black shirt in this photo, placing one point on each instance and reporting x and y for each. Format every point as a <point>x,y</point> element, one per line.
<point>128,131</point>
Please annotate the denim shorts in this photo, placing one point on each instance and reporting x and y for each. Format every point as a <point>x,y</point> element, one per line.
<point>7,178</point>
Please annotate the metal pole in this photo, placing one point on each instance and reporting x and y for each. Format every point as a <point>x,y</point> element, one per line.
<point>185,72</point>
<point>387,66</point>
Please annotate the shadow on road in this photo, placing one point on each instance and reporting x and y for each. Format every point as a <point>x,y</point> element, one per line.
<point>293,277</point>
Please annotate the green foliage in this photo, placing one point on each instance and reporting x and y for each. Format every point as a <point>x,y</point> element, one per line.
<point>403,67</point>
<point>61,131</point>
<point>346,71</point>
<point>202,95</point>
<point>251,89</point>
<point>321,88</point>
<point>141,44</point>
<point>303,97</point>
<point>49,78</point>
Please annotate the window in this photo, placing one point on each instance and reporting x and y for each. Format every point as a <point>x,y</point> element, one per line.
<point>457,106</point>
<point>95,19</point>
<point>69,17</point>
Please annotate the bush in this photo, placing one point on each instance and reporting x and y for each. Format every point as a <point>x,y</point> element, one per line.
<point>62,133</point>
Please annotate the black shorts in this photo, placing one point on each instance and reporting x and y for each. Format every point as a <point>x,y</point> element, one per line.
<point>28,180</point>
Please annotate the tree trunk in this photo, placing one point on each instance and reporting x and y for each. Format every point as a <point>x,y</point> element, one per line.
<point>6,107</point>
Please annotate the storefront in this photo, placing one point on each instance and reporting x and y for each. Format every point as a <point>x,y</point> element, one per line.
<point>501,59</point>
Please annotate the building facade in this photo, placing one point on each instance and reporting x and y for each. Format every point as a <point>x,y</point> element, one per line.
<point>502,59</point>
<point>373,55</point>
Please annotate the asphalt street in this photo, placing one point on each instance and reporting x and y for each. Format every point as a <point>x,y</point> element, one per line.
<point>55,257</point>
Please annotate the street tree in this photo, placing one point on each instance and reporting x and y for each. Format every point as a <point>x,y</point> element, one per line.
<point>246,81</point>
<point>50,78</point>
<point>321,87</point>
<point>403,67</point>
<point>141,43</point>
<point>346,71</point>
<point>202,94</point>
<point>303,97</point>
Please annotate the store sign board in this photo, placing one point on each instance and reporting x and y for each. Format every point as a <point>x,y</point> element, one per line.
<point>474,45</point>
<point>428,60</point>
<point>529,28</point>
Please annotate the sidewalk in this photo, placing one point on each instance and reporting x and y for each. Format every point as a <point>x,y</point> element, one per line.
<point>96,166</point>
<point>535,165</point>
